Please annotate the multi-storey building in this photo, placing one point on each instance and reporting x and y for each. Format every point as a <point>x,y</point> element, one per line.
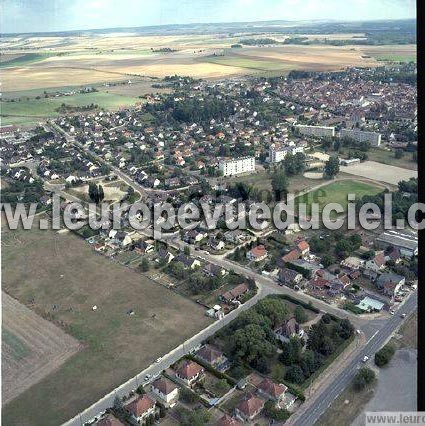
<point>237,165</point>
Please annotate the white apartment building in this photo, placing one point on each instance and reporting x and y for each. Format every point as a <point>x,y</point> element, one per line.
<point>361,136</point>
<point>278,154</point>
<point>319,131</point>
<point>237,165</point>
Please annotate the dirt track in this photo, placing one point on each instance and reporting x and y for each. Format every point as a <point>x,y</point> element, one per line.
<point>31,348</point>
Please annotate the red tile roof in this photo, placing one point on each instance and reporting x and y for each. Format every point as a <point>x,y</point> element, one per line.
<point>271,388</point>
<point>140,405</point>
<point>303,245</point>
<point>208,353</point>
<point>235,292</point>
<point>251,405</point>
<point>164,385</point>
<point>228,421</point>
<point>259,251</point>
<point>109,420</point>
<point>189,369</point>
<point>291,256</point>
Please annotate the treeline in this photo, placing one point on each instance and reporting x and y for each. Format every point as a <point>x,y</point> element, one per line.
<point>401,199</point>
<point>193,110</point>
<point>258,41</point>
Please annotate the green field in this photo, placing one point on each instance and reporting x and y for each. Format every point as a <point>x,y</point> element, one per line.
<point>18,348</point>
<point>33,110</point>
<point>23,60</point>
<point>387,157</point>
<point>73,278</point>
<point>337,192</point>
<point>395,58</point>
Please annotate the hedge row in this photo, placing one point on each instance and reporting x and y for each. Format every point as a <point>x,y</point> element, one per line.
<point>295,301</point>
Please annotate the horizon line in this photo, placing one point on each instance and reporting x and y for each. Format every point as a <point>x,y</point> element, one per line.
<point>109,29</point>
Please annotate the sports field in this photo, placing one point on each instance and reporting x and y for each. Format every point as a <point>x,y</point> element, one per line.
<point>73,278</point>
<point>337,192</point>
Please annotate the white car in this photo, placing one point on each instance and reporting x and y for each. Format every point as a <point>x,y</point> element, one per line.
<point>403,315</point>
<point>365,358</point>
<point>391,312</point>
<point>159,359</point>
<point>147,377</point>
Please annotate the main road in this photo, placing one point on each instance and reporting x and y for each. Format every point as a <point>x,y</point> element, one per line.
<point>376,331</point>
<point>310,412</point>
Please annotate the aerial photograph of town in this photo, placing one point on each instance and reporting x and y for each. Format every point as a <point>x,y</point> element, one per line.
<point>209,212</point>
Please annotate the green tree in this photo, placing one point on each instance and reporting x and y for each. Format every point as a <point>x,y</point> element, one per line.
<point>300,315</point>
<point>279,415</point>
<point>384,355</point>
<point>295,374</point>
<point>144,265</point>
<point>274,309</point>
<point>280,185</point>
<point>187,250</point>
<point>331,168</point>
<point>327,260</point>
<point>364,377</point>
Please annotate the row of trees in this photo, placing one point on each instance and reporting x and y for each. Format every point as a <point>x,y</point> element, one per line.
<point>96,193</point>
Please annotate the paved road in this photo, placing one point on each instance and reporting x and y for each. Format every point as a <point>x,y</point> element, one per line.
<point>376,331</point>
<point>328,394</point>
<point>155,369</point>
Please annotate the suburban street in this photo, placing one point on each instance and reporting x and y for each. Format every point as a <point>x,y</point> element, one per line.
<point>375,330</point>
<point>310,412</point>
<point>156,368</point>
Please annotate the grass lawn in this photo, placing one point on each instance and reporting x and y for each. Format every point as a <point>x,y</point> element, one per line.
<point>34,110</point>
<point>340,409</point>
<point>337,192</point>
<point>62,270</point>
<point>387,157</point>
<point>395,58</point>
<point>407,336</point>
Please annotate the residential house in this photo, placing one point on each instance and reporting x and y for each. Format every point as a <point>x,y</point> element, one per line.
<point>143,247</point>
<point>211,355</point>
<point>120,238</point>
<point>377,263</point>
<point>393,254</point>
<point>288,329</point>
<point>319,283</point>
<point>214,270</point>
<point>165,254</point>
<point>303,247</point>
<point>189,372</point>
<point>216,245</point>
<point>187,261</point>
<point>390,283</point>
<point>109,420</point>
<point>235,237</point>
<point>352,262</point>
<point>291,256</point>
<point>257,254</point>
<point>249,407</point>
<point>272,390</point>
<point>140,408</point>
<point>194,236</point>
<point>226,420</point>
<point>165,390</point>
<point>235,294</point>
<point>289,277</point>
<point>308,269</point>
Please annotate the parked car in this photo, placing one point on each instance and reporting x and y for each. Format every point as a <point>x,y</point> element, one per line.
<point>365,358</point>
